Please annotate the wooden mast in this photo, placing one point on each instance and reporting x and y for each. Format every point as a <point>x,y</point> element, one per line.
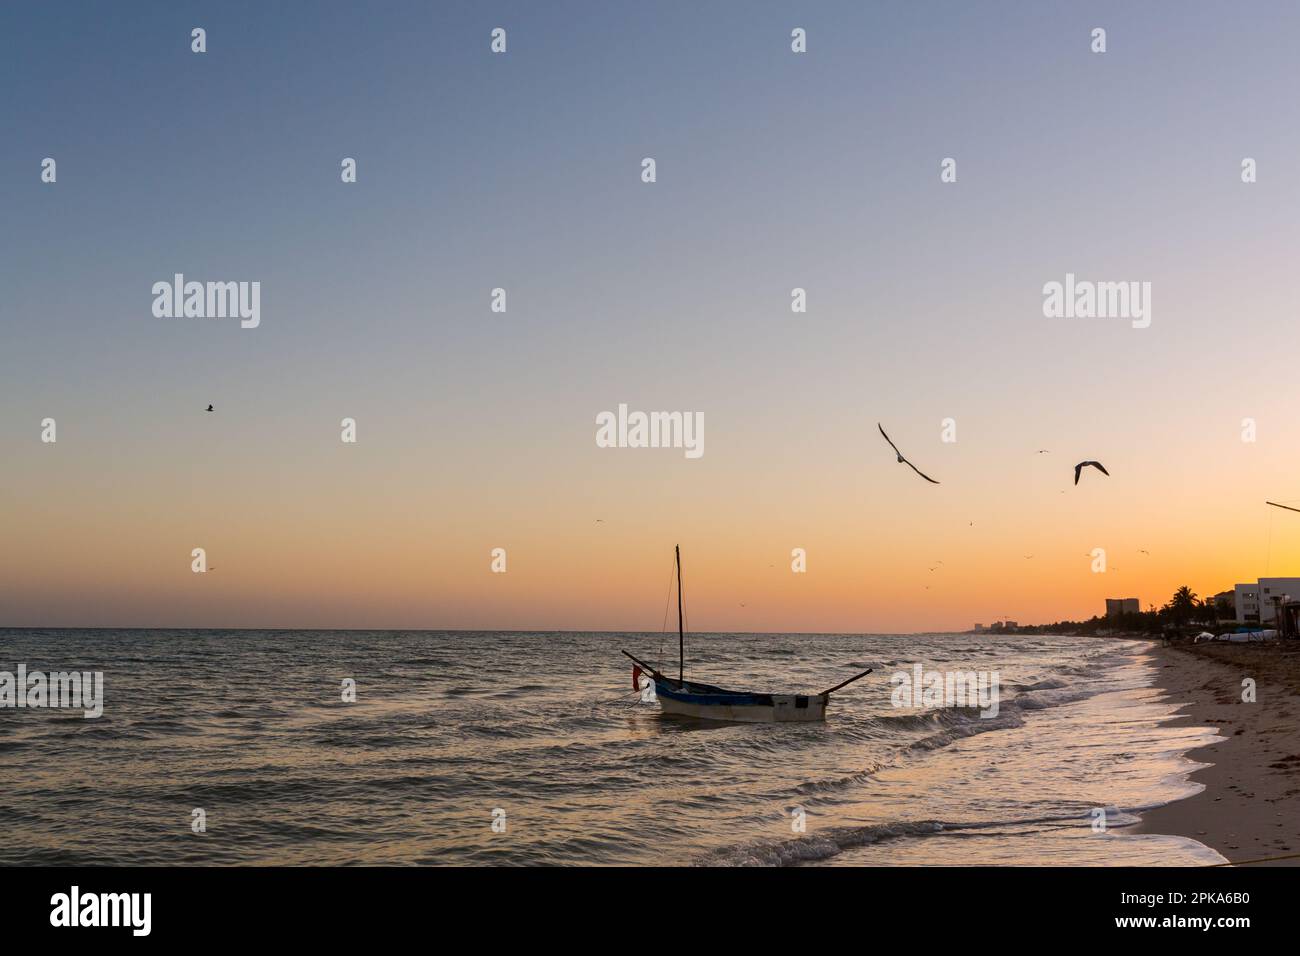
<point>827,693</point>
<point>681,634</point>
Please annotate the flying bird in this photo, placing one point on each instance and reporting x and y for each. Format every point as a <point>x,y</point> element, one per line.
<point>902,460</point>
<point>1044,451</point>
<point>208,409</point>
<point>1081,465</point>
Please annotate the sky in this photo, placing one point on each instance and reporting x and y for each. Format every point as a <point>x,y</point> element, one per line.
<point>775,170</point>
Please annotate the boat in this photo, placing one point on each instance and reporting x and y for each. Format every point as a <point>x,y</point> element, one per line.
<point>1240,636</point>
<point>679,697</point>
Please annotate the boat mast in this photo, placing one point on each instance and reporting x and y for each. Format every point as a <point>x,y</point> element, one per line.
<point>681,638</point>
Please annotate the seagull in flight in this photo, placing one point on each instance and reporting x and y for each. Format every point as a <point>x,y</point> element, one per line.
<point>1044,451</point>
<point>901,459</point>
<point>1083,464</point>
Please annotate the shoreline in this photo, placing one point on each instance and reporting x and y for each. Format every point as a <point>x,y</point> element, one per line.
<point>1248,809</point>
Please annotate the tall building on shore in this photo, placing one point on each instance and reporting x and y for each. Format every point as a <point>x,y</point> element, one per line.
<point>1117,606</point>
<point>1258,603</point>
<point>1247,600</point>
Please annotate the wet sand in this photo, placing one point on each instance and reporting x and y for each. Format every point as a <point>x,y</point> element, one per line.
<point>1250,808</point>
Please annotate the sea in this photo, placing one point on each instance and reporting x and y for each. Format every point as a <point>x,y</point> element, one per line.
<point>432,748</point>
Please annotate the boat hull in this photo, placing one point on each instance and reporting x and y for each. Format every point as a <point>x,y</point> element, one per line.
<point>739,707</point>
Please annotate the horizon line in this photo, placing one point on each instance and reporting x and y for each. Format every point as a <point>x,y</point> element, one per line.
<point>480,630</point>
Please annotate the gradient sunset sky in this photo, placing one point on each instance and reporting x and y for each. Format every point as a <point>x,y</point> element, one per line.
<point>775,171</point>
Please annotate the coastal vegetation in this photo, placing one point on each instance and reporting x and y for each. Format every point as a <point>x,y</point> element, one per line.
<point>1184,609</point>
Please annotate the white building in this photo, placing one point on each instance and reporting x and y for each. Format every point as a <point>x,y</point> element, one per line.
<point>1258,602</point>
<point>1273,590</point>
<point>1247,599</point>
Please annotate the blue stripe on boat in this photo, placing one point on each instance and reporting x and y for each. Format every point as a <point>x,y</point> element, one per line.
<point>714,696</point>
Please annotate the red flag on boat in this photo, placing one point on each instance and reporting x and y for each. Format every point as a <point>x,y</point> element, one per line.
<point>636,677</point>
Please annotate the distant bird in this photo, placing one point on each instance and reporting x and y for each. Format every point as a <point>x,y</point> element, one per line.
<point>600,521</point>
<point>1143,551</point>
<point>1028,556</point>
<point>902,460</point>
<point>1083,464</point>
<point>1044,451</point>
<point>208,409</point>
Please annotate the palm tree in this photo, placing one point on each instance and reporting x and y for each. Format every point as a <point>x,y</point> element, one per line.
<point>1182,606</point>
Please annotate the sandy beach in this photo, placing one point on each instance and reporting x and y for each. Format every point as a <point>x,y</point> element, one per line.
<point>1249,808</point>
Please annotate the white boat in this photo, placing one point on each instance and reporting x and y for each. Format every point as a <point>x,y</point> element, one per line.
<point>1240,637</point>
<point>679,697</point>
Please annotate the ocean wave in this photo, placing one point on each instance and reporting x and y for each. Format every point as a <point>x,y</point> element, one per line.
<point>816,847</point>
<point>830,785</point>
<point>830,842</point>
<point>1048,684</point>
<point>942,726</point>
<point>980,725</point>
